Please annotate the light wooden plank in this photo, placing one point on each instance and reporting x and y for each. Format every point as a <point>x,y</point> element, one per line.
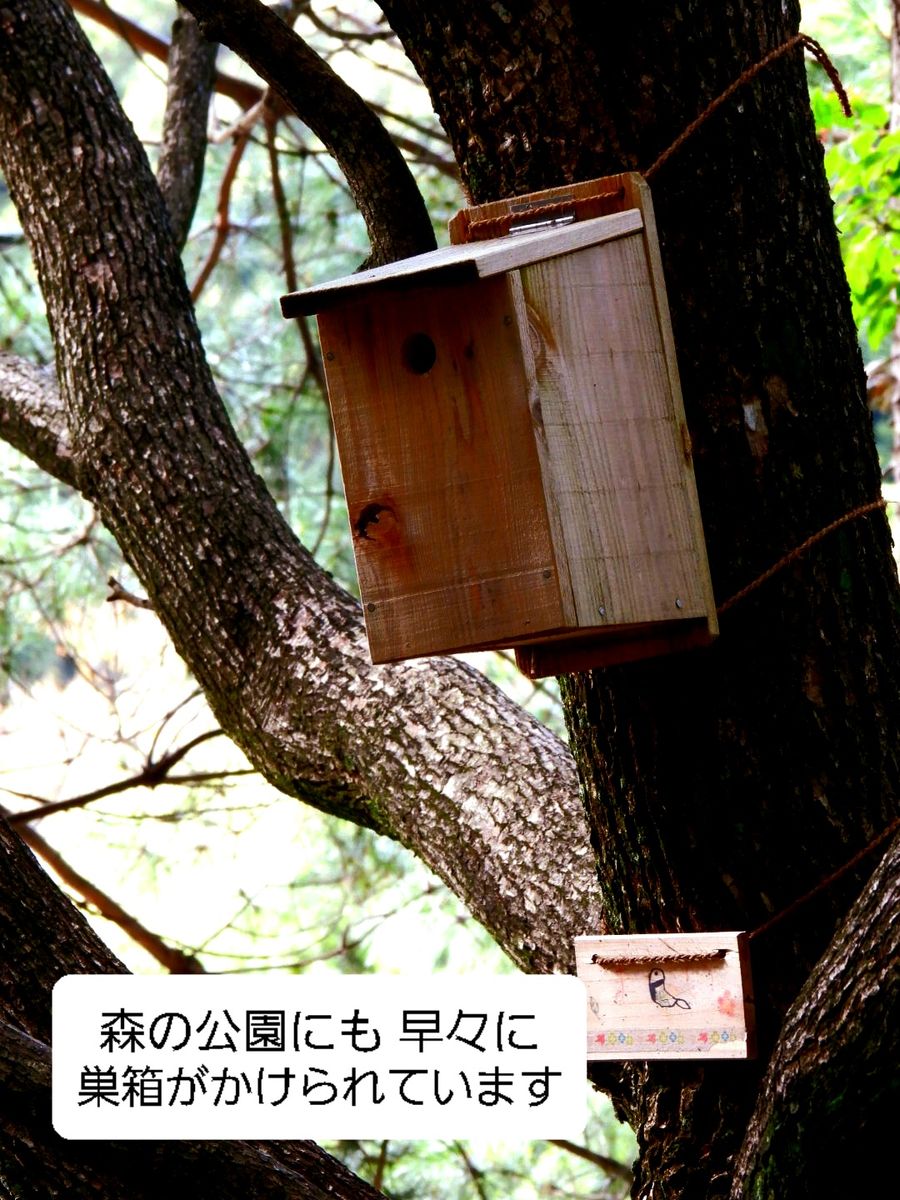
<point>605,195</point>
<point>639,192</point>
<point>658,996</point>
<point>461,264</point>
<point>613,458</point>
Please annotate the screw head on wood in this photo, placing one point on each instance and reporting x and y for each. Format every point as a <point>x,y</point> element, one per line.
<point>679,603</point>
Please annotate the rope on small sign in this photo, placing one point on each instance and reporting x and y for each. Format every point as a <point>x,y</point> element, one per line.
<point>602,960</point>
<point>619,960</point>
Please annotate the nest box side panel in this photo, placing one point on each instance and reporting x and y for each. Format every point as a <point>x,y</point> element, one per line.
<point>615,448</point>
<point>450,530</point>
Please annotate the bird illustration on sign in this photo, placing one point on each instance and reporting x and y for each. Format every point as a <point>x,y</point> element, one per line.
<point>660,995</point>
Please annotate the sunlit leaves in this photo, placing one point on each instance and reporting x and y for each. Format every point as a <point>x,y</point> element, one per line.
<point>862,160</point>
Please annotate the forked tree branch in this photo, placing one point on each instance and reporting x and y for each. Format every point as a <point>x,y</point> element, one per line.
<point>152,774</point>
<point>247,95</point>
<point>800,1141</point>
<point>379,179</point>
<point>243,93</point>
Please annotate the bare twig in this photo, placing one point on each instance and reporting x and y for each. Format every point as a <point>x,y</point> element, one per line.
<point>330,491</point>
<point>244,94</point>
<point>475,1173</point>
<point>152,774</point>
<point>313,367</point>
<point>222,221</point>
<point>381,1163</point>
<point>118,592</point>
<point>363,33</point>
<point>168,716</point>
<point>610,1165</point>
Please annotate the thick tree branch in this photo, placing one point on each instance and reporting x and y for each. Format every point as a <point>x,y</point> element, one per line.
<point>192,71</point>
<point>146,1170</point>
<point>427,752</point>
<point>174,960</point>
<point>827,1111</point>
<point>42,938</point>
<point>32,416</point>
<point>382,186</point>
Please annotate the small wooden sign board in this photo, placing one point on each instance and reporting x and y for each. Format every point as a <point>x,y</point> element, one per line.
<point>674,995</point>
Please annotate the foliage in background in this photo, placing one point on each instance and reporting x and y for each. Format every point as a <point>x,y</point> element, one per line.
<point>862,159</point>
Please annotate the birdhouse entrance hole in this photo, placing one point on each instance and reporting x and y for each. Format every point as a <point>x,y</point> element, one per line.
<point>520,474</point>
<point>419,353</point>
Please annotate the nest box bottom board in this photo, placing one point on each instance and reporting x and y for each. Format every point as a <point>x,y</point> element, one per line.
<point>611,647</point>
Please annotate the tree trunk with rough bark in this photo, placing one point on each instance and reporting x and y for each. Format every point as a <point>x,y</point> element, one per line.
<point>723,785</point>
<point>720,785</point>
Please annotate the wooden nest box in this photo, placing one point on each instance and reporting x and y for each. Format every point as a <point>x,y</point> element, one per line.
<point>512,439</point>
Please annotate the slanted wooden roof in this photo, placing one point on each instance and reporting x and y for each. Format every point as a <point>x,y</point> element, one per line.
<point>464,264</point>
